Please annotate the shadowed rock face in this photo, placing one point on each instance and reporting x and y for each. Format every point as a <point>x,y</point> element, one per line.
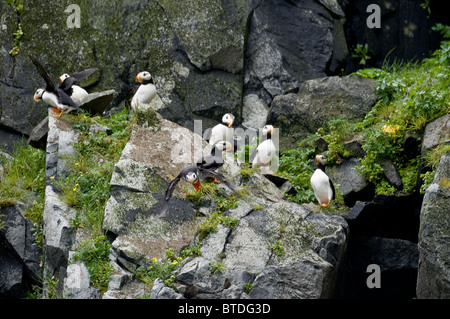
<point>432,279</point>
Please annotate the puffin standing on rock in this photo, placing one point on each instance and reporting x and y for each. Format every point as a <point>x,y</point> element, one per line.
<point>321,184</point>
<point>221,132</point>
<point>76,92</point>
<point>192,175</point>
<point>53,96</point>
<point>146,91</point>
<point>263,154</point>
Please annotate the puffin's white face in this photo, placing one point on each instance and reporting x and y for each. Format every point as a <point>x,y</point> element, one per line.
<point>225,146</point>
<point>38,95</point>
<point>63,77</point>
<point>191,177</point>
<point>320,159</point>
<point>268,129</point>
<point>143,76</point>
<point>228,119</point>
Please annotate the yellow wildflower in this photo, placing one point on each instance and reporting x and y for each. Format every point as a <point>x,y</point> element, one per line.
<point>391,130</point>
<point>52,177</point>
<point>75,189</point>
<point>174,262</point>
<point>154,259</point>
<point>180,258</point>
<point>76,164</point>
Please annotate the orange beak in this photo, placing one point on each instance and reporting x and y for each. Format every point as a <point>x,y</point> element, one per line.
<point>34,99</point>
<point>197,185</point>
<point>138,78</point>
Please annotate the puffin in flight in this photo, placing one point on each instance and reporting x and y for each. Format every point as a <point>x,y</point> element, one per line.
<point>215,159</point>
<point>76,92</point>
<point>192,175</point>
<point>221,132</point>
<point>321,184</point>
<point>53,96</point>
<point>263,154</point>
<point>146,91</point>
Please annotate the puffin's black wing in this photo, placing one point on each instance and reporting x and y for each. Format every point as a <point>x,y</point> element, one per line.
<point>253,155</point>
<point>65,99</point>
<point>50,85</point>
<point>210,162</point>
<point>332,188</point>
<point>168,194</point>
<point>221,178</point>
<point>66,85</point>
<point>83,74</point>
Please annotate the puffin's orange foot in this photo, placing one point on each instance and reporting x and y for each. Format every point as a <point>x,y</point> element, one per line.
<point>325,205</point>
<point>216,181</point>
<point>59,115</point>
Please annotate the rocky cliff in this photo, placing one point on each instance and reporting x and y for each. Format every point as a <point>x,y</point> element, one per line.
<point>277,62</point>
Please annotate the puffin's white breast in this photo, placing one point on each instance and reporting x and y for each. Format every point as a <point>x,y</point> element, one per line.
<point>220,132</point>
<point>144,95</point>
<point>52,100</point>
<point>320,184</point>
<point>78,93</point>
<point>265,153</point>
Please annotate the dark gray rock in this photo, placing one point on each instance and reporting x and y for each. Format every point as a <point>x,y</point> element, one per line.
<point>392,174</point>
<point>96,103</point>
<point>354,146</point>
<point>18,236</point>
<point>386,216</point>
<point>282,37</point>
<point>38,136</point>
<point>405,31</point>
<point>352,185</point>
<point>11,276</point>
<point>388,253</point>
<point>434,244</point>
<point>77,283</point>
<point>161,291</point>
<point>318,101</point>
<point>436,132</point>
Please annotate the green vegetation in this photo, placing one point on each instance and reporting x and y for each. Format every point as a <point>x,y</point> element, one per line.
<point>18,7</point>
<point>410,95</point>
<point>95,255</point>
<point>217,268</point>
<point>86,187</point>
<point>248,287</point>
<point>163,269</point>
<point>278,249</point>
<point>362,53</point>
<point>23,179</point>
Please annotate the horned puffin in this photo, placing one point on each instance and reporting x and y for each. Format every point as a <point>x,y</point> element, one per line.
<point>263,154</point>
<point>321,184</point>
<point>146,91</point>
<point>215,159</point>
<point>76,92</point>
<point>192,175</point>
<point>221,132</point>
<point>53,96</point>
